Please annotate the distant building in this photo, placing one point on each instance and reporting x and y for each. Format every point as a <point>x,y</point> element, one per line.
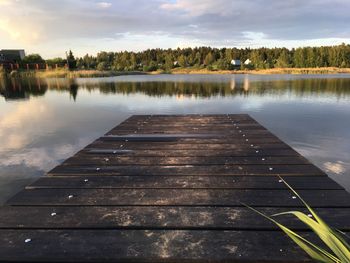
<point>176,63</point>
<point>236,62</point>
<point>247,62</point>
<point>11,55</point>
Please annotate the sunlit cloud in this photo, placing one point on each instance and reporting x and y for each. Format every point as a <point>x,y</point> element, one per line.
<point>13,33</point>
<point>6,2</point>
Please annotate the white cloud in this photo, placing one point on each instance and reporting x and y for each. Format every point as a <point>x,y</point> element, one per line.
<point>104,5</point>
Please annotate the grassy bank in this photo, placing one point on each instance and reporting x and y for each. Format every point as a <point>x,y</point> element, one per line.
<point>328,70</point>
<point>83,73</point>
<point>62,73</point>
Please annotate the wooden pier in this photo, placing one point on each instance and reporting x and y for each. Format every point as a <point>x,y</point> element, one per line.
<point>170,189</point>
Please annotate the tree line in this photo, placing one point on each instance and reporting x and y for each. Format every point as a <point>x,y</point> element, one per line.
<point>206,57</point>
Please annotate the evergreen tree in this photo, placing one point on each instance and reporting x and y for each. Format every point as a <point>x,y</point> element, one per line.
<point>209,59</point>
<point>182,61</point>
<point>283,60</point>
<point>71,61</point>
<point>169,63</point>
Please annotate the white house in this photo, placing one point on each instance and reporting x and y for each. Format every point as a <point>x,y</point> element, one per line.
<point>247,62</point>
<point>235,62</point>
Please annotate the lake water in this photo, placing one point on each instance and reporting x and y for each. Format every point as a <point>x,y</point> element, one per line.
<point>42,122</point>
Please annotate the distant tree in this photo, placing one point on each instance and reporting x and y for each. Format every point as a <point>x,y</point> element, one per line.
<point>56,61</point>
<point>182,60</point>
<point>89,62</point>
<point>72,63</point>
<point>169,63</point>
<point>222,64</point>
<point>198,59</point>
<point>257,59</point>
<point>102,66</point>
<point>209,59</point>
<point>153,59</point>
<point>283,60</point>
<point>299,58</point>
<point>33,58</point>
<point>133,62</point>
<point>228,54</point>
<point>153,66</point>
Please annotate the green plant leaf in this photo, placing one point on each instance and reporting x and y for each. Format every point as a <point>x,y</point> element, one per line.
<point>333,239</point>
<point>311,249</point>
<point>325,233</point>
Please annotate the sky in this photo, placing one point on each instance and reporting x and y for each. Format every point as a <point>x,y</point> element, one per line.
<point>51,27</point>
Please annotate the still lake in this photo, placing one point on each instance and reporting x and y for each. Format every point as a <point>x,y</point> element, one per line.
<point>42,122</point>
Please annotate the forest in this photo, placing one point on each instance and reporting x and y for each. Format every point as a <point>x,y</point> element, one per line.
<point>206,57</point>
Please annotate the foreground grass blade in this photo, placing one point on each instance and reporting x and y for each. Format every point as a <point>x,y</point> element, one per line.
<point>314,251</point>
<point>330,237</point>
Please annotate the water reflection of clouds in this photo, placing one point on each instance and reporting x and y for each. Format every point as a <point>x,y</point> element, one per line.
<point>329,156</point>
<point>17,126</point>
<point>23,126</point>
<point>40,157</point>
<point>335,167</point>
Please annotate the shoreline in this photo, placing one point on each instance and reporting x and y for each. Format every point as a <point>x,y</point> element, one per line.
<point>177,71</point>
<point>293,71</point>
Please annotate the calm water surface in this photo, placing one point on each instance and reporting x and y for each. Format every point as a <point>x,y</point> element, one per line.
<point>42,122</point>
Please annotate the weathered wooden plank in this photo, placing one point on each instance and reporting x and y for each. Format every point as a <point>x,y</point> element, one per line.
<point>193,119</point>
<point>196,153</point>
<point>221,140</point>
<point>196,144</point>
<point>196,182</point>
<point>243,145</point>
<point>181,197</point>
<point>149,246</point>
<point>190,126</point>
<point>146,217</point>
<point>101,159</point>
<point>214,133</point>
<point>189,121</point>
<point>194,131</point>
<point>284,170</point>
<point>159,137</point>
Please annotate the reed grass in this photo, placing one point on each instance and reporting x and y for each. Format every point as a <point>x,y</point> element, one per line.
<point>294,71</point>
<point>63,73</point>
<point>2,72</point>
<point>332,238</point>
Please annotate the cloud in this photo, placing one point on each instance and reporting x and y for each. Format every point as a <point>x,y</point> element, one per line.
<point>200,7</point>
<point>104,5</point>
<point>5,2</point>
<point>50,24</point>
